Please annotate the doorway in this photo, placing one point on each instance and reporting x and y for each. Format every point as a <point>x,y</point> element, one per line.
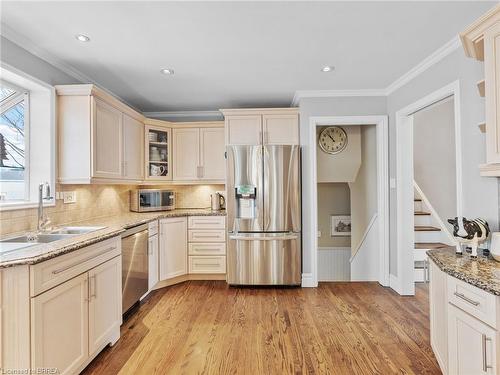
<point>421,209</point>
<point>381,253</point>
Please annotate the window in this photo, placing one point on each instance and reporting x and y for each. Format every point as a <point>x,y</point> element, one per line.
<point>13,150</point>
<point>27,138</point>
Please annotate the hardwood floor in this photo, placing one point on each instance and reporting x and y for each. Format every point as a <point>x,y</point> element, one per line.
<point>206,327</point>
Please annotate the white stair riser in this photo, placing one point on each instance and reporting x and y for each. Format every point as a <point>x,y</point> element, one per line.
<point>428,236</point>
<point>423,220</point>
<point>417,205</point>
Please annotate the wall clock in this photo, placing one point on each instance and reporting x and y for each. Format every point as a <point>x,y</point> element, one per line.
<point>333,140</point>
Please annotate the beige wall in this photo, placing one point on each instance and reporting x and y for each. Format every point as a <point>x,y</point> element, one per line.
<point>333,199</point>
<point>434,156</point>
<point>94,201</point>
<point>342,167</point>
<point>364,189</point>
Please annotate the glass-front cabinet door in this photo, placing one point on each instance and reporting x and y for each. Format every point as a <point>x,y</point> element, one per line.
<point>158,153</point>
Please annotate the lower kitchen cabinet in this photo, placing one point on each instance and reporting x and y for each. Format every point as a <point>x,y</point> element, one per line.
<point>58,314</point>
<point>472,344</point>
<point>105,303</point>
<point>173,247</point>
<point>207,244</point>
<point>60,327</point>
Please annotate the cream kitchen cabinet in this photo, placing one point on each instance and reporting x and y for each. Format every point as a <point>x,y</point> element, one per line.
<point>212,149</point>
<point>186,144</point>
<point>133,149</point>
<point>105,303</point>
<point>107,127</point>
<point>481,41</point>
<point>173,247</point>
<point>207,244</point>
<point>198,154</point>
<point>274,126</point>
<point>60,313</point>
<point>60,327</point>
<point>472,344</point>
<point>100,138</point>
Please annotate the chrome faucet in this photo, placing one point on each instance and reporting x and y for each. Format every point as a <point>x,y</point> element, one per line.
<point>43,221</point>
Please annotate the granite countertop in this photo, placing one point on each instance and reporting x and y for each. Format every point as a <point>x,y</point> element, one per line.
<point>113,226</point>
<point>482,272</point>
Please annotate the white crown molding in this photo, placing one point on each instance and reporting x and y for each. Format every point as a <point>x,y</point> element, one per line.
<point>301,94</point>
<point>418,69</point>
<point>215,115</point>
<point>8,33</point>
<point>425,64</point>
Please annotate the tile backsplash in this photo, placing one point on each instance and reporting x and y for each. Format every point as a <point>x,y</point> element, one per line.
<point>94,201</point>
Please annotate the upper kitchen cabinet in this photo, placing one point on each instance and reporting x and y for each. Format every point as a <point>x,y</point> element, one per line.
<point>199,152</point>
<point>100,138</point>
<point>158,150</point>
<point>273,126</point>
<point>481,41</point>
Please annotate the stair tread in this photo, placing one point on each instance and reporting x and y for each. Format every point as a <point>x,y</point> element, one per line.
<point>426,228</point>
<point>430,245</point>
<point>422,213</point>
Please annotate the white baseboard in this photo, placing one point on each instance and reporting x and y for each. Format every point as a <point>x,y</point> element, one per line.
<point>394,283</point>
<point>307,281</point>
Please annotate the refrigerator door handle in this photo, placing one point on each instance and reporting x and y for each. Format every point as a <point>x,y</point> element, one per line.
<point>287,236</point>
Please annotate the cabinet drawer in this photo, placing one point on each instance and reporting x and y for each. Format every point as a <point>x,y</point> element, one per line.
<point>199,235</point>
<point>475,301</point>
<point>206,222</point>
<point>55,271</point>
<point>153,228</point>
<point>215,248</point>
<point>207,264</point>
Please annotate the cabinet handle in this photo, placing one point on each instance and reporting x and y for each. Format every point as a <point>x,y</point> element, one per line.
<point>466,299</point>
<point>485,356</point>
<point>55,272</point>
<point>87,286</point>
<point>93,287</point>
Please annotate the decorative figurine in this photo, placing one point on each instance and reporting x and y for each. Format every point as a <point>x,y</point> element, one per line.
<point>469,232</point>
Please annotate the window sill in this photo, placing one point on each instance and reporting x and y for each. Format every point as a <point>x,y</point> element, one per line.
<point>10,206</point>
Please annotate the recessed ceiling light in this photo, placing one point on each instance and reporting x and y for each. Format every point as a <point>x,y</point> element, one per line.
<point>167,71</point>
<point>82,38</point>
<point>327,68</point>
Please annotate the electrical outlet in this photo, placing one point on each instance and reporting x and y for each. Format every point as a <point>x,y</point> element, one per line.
<point>319,233</point>
<point>69,196</point>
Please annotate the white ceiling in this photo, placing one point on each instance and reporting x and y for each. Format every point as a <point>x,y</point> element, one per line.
<point>243,54</point>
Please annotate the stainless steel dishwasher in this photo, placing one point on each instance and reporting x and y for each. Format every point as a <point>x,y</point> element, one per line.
<point>134,265</point>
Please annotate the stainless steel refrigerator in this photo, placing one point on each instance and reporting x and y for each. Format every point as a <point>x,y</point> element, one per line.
<point>263,215</point>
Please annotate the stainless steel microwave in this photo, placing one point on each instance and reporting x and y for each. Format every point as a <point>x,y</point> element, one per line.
<point>146,200</point>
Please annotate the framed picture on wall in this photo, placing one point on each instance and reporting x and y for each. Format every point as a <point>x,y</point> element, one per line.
<point>340,225</point>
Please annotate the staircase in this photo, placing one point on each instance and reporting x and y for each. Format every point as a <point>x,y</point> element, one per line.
<point>428,235</point>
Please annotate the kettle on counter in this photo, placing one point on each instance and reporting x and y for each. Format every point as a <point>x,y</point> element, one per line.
<point>217,202</point>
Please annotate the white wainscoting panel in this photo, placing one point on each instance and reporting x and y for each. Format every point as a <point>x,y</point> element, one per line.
<point>333,264</point>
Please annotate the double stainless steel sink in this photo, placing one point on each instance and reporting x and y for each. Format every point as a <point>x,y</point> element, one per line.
<point>50,236</point>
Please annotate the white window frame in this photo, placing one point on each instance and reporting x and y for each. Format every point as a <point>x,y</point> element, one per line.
<point>42,96</point>
<point>20,95</point>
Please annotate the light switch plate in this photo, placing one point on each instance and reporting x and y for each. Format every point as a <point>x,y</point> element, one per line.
<point>392,183</point>
<point>69,196</point>
<point>319,233</point>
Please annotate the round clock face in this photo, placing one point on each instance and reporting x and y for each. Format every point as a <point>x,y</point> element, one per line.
<point>333,140</point>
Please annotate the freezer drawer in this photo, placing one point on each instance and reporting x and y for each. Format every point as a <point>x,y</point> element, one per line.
<point>264,259</point>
